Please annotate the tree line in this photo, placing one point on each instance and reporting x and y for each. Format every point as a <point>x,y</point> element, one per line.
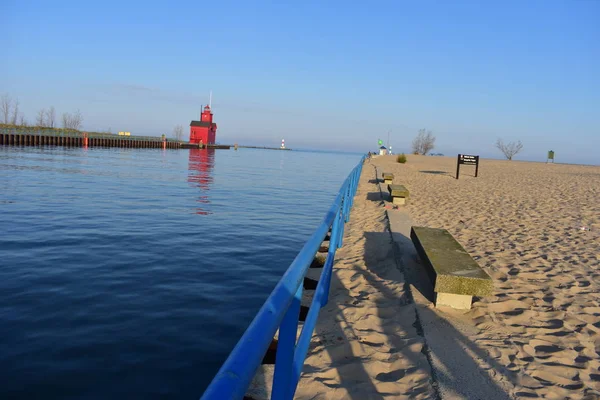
<point>45,118</point>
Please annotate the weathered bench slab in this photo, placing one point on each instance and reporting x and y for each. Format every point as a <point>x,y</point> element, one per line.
<point>398,193</point>
<point>388,178</point>
<point>456,277</point>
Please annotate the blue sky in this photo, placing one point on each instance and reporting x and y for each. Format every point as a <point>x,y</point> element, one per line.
<point>319,74</point>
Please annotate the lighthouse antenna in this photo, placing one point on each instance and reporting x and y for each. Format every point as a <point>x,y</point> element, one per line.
<point>210,100</point>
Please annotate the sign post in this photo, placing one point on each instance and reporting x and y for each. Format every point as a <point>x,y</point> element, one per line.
<point>467,160</point>
<point>550,157</point>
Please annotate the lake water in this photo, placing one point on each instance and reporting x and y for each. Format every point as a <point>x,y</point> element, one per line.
<point>132,273</point>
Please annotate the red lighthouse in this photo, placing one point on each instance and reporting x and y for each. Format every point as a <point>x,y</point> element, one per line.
<point>204,130</point>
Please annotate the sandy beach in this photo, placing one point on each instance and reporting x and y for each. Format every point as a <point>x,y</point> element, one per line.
<point>533,227</point>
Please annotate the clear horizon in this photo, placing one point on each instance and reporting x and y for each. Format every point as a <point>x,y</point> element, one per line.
<point>337,77</point>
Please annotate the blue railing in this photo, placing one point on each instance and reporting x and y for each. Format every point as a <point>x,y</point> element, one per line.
<point>281,310</point>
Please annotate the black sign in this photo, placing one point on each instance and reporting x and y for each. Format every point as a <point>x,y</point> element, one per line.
<point>465,159</point>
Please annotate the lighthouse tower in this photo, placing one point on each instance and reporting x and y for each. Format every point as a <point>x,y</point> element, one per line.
<point>205,130</point>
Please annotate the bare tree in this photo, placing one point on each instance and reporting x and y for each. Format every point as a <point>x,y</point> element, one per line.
<point>509,149</point>
<point>22,120</point>
<point>72,121</point>
<point>15,115</point>
<point>178,132</point>
<point>5,107</point>
<point>40,119</point>
<point>76,120</point>
<point>66,120</point>
<point>51,117</point>
<point>424,142</point>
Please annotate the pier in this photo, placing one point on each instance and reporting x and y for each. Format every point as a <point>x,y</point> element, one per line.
<point>185,145</point>
<point>13,137</point>
<point>263,148</point>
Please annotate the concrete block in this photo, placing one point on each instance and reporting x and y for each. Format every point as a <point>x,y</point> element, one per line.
<point>450,268</point>
<point>398,193</point>
<point>458,301</point>
<point>388,178</point>
<point>399,200</point>
<point>398,190</point>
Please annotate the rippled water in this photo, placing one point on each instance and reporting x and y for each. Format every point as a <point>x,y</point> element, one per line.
<point>131,273</point>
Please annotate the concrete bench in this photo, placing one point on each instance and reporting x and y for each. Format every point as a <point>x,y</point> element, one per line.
<point>456,277</point>
<point>388,178</point>
<point>398,193</point>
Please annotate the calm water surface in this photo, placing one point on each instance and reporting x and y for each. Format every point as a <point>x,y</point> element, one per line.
<point>131,273</point>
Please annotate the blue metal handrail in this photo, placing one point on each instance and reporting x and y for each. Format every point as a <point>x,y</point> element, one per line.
<point>281,310</point>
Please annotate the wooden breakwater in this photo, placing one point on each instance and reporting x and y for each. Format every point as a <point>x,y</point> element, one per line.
<point>10,137</point>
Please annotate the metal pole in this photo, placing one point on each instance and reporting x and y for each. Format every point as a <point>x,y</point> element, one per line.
<point>282,382</point>
<point>333,244</point>
<point>457,166</point>
<point>347,201</point>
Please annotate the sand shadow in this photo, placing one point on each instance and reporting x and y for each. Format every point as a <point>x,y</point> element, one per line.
<point>375,181</point>
<point>337,340</point>
<point>377,197</point>
<point>443,173</point>
<point>413,271</point>
<point>455,367</point>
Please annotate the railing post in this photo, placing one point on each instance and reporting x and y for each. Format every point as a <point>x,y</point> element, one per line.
<point>347,196</point>
<point>333,245</point>
<point>354,186</point>
<point>284,359</point>
<point>340,238</point>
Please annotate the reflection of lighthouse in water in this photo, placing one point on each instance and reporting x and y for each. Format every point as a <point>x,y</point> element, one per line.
<point>201,163</point>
